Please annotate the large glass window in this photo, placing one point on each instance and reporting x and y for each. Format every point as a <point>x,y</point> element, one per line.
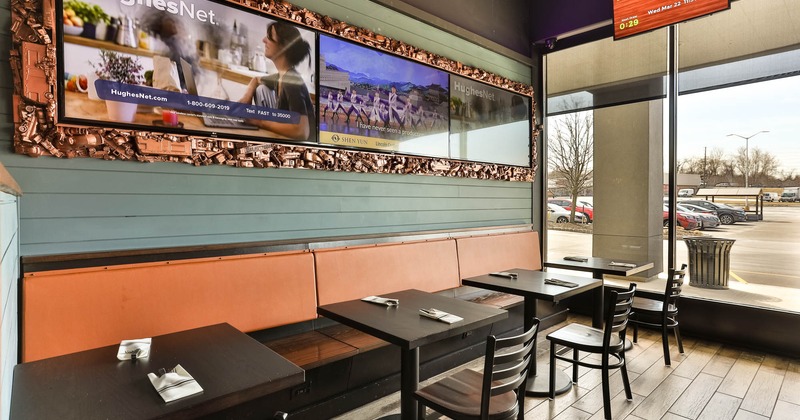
<point>736,143</point>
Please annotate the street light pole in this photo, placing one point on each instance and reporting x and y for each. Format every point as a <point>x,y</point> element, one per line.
<point>747,163</point>
<point>747,153</point>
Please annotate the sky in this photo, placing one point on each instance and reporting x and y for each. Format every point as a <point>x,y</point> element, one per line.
<point>705,119</point>
<point>358,59</point>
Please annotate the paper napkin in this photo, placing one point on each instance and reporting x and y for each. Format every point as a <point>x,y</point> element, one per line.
<point>440,315</point>
<point>381,300</point>
<point>129,349</point>
<point>621,264</point>
<point>175,384</point>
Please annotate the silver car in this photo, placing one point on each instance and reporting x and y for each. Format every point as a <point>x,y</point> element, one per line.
<point>558,214</point>
<point>707,218</point>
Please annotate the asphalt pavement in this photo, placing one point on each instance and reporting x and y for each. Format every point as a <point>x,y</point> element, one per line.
<point>763,266</point>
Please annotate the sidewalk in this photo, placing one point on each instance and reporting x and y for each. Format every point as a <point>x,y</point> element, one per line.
<point>562,243</point>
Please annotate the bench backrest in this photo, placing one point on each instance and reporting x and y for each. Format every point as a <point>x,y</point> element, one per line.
<point>66,311</point>
<point>356,272</point>
<point>484,254</point>
<point>71,310</point>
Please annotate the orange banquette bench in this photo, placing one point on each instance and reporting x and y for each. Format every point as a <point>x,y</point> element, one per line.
<point>69,310</point>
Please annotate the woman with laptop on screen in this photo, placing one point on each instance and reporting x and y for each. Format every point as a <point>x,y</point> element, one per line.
<point>285,90</point>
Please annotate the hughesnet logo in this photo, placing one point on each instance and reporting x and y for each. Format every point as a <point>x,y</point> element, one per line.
<point>180,8</point>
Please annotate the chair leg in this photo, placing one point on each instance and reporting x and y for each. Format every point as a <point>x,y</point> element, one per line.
<point>635,332</point>
<point>552,390</point>
<point>420,410</point>
<point>606,389</point>
<point>575,355</point>
<point>665,343</point>
<point>678,337</point>
<point>625,382</point>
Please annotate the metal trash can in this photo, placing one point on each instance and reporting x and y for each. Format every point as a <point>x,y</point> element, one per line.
<point>709,261</point>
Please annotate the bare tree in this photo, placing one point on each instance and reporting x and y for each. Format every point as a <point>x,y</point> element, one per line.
<point>761,167</point>
<point>570,147</point>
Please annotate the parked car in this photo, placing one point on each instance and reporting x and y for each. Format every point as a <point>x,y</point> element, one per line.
<point>686,220</point>
<point>686,192</point>
<point>558,214</point>
<point>770,196</point>
<point>707,217</point>
<point>583,206</point>
<point>727,215</point>
<point>789,197</point>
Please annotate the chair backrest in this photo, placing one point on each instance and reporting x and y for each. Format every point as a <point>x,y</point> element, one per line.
<point>506,366</point>
<point>619,307</point>
<point>673,288</point>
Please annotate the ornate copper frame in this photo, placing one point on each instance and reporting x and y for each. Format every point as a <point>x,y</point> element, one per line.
<point>33,64</point>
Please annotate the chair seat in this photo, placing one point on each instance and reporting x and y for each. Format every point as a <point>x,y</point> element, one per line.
<point>460,394</point>
<point>583,337</point>
<point>642,305</point>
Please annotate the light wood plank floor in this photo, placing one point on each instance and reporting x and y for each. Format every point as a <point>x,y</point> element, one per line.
<point>708,381</point>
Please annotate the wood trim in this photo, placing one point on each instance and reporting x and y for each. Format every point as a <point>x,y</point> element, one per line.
<point>37,132</point>
<point>7,182</point>
<point>39,263</point>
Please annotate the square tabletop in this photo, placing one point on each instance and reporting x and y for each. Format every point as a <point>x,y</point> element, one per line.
<point>530,283</point>
<point>402,325</point>
<point>230,366</point>
<point>599,266</point>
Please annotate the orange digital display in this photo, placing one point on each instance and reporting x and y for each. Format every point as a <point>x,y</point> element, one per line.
<point>633,17</point>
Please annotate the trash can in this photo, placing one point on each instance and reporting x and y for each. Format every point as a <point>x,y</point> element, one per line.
<point>709,261</point>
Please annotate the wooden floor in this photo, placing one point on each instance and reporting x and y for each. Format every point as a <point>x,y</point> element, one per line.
<point>708,381</point>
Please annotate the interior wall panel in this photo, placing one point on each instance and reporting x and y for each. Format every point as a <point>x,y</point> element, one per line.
<point>85,205</point>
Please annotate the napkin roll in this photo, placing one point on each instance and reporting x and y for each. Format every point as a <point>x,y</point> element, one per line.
<point>175,384</point>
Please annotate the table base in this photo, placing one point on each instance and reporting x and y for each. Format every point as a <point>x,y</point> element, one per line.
<point>539,385</point>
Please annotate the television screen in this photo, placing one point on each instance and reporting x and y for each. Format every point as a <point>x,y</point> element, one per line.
<point>488,124</point>
<point>186,66</point>
<point>374,100</point>
<point>633,17</point>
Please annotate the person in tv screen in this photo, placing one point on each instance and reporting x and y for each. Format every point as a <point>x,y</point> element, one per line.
<point>284,46</point>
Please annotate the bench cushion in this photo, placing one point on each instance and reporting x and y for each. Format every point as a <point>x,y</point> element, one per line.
<point>356,272</point>
<point>66,311</point>
<point>479,255</point>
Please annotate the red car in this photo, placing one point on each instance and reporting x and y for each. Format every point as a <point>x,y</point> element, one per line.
<point>584,207</point>
<point>687,221</point>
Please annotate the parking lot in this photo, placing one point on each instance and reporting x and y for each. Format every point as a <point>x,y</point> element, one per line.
<point>764,258</point>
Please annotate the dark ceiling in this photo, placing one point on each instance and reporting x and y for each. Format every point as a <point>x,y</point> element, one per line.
<point>518,24</point>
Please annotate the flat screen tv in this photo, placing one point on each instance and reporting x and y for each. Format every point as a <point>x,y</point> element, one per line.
<point>379,101</point>
<point>488,124</point>
<point>189,67</point>
<point>633,17</point>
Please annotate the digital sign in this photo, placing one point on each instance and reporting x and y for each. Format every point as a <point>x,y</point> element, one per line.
<point>187,67</point>
<point>488,124</point>
<point>633,17</point>
<point>374,100</point>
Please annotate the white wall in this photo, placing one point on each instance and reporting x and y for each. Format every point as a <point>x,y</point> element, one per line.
<point>9,273</point>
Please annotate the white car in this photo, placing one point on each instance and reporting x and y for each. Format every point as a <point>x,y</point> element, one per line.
<point>558,214</point>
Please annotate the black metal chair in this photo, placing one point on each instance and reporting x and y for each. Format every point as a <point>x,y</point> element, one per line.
<point>608,342</point>
<point>661,313</point>
<point>497,393</point>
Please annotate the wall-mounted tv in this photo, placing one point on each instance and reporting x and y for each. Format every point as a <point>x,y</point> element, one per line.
<point>189,67</point>
<point>633,17</point>
<point>488,124</point>
<point>374,100</point>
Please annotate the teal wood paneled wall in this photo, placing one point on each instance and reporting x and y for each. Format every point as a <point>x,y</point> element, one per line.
<point>84,205</point>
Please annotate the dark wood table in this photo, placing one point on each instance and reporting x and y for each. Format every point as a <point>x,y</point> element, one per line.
<point>600,267</point>
<point>530,284</point>
<point>403,326</point>
<point>230,366</point>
